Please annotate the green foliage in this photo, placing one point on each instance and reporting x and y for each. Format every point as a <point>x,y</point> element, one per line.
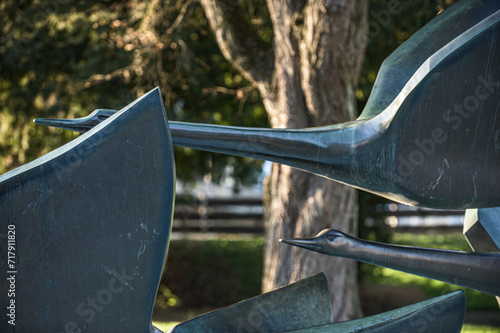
<point>448,241</point>
<point>62,59</point>
<point>165,298</point>
<point>214,273</point>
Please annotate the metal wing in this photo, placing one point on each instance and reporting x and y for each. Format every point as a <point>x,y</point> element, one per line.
<point>91,222</point>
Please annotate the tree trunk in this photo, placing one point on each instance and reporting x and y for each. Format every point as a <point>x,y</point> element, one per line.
<point>307,79</point>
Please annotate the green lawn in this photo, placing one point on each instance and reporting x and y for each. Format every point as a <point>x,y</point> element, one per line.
<point>479,329</point>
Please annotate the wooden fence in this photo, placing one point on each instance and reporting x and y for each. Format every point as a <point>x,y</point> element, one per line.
<point>216,215</point>
<point>245,215</point>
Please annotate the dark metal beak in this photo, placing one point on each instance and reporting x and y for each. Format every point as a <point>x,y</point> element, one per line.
<point>306,243</point>
<point>81,125</point>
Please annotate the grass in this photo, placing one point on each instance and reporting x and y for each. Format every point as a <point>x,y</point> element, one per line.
<point>450,241</point>
<point>467,328</point>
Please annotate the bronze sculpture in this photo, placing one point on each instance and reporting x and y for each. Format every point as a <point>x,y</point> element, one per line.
<point>396,149</point>
<point>122,223</point>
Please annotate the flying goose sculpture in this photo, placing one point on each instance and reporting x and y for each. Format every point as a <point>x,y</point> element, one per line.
<point>428,136</point>
<point>85,228</point>
<point>474,270</point>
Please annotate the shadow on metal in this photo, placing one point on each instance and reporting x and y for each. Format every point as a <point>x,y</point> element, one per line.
<point>425,136</point>
<point>440,314</point>
<point>85,228</point>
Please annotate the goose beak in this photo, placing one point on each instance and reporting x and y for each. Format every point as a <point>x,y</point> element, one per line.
<point>81,125</point>
<point>312,244</point>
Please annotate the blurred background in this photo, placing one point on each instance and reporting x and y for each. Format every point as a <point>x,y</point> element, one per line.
<point>62,58</point>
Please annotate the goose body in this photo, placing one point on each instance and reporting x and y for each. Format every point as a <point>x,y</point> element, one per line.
<point>429,135</point>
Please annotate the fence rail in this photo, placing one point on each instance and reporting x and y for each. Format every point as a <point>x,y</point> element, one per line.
<point>245,215</point>
<point>220,215</point>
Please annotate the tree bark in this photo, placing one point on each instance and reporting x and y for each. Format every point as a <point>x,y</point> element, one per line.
<point>307,79</point>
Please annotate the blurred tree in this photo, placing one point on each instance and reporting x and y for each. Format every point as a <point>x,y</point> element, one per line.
<point>64,59</point>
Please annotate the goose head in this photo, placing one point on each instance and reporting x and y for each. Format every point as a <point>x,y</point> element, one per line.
<point>329,241</point>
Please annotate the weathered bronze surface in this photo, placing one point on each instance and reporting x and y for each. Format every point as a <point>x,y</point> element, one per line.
<point>441,314</point>
<point>302,304</point>
<point>478,271</point>
<point>92,222</point>
<point>428,135</point>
